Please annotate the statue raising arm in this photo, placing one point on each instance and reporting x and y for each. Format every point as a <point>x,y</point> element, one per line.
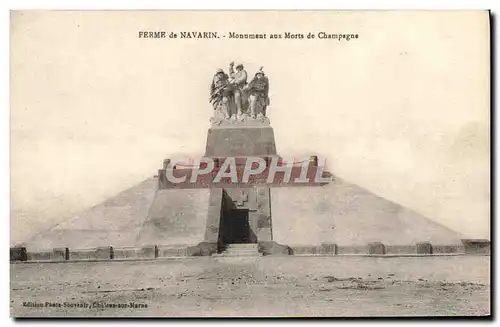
<point>238,77</point>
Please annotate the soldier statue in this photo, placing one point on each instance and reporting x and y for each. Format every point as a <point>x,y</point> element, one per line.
<point>234,100</point>
<point>238,80</point>
<point>220,92</point>
<point>258,94</point>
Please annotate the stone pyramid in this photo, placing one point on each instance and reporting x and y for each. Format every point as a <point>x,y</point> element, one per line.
<point>338,218</point>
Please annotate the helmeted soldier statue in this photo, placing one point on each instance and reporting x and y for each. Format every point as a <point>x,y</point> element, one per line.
<point>238,80</point>
<point>258,94</point>
<point>220,92</point>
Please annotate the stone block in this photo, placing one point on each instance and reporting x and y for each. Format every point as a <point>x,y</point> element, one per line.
<point>99,253</point>
<point>57,254</point>
<point>424,248</point>
<point>474,246</point>
<point>18,254</point>
<point>61,253</point>
<point>273,248</point>
<point>172,251</point>
<point>145,252</point>
<point>352,249</point>
<point>448,249</point>
<point>376,248</point>
<point>263,221</point>
<point>400,249</point>
<point>203,249</point>
<point>306,249</point>
<point>213,215</point>
<point>240,141</point>
<point>329,248</point>
<point>40,256</point>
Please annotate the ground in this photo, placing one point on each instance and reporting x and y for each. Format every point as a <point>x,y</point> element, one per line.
<point>265,286</point>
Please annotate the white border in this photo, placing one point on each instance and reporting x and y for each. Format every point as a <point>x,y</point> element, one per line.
<point>184,5</point>
<point>254,4</point>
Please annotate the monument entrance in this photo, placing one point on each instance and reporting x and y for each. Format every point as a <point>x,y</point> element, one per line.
<point>235,220</point>
<point>236,228</point>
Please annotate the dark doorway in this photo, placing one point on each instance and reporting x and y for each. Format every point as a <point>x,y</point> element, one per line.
<point>234,224</point>
<point>237,226</point>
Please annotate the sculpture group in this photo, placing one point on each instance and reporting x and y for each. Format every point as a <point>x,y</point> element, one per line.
<point>235,99</point>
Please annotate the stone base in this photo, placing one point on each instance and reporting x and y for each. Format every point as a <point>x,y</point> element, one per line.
<point>18,254</point>
<point>273,248</point>
<point>477,246</point>
<point>244,121</point>
<point>227,141</point>
<point>203,249</point>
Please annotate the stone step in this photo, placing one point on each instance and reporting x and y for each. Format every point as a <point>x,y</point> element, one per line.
<point>242,246</point>
<point>226,254</point>
<point>240,250</point>
<point>253,248</point>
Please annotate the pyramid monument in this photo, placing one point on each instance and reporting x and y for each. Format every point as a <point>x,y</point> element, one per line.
<point>337,218</point>
<point>153,220</point>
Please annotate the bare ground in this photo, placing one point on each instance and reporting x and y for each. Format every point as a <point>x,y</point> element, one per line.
<point>266,286</point>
